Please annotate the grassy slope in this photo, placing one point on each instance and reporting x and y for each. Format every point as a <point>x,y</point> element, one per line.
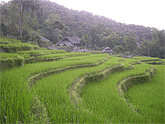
<point>102,97</point>
<point>16,100</point>
<point>8,55</point>
<point>62,99</point>
<point>148,97</point>
<point>66,111</point>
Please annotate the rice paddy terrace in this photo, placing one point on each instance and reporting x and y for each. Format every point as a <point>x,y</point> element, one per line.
<point>52,86</point>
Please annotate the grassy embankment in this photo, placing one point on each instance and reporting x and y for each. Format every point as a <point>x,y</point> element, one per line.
<point>14,45</point>
<point>58,84</point>
<point>72,74</point>
<point>103,98</point>
<point>148,98</point>
<point>17,100</point>
<point>94,94</point>
<point>11,60</point>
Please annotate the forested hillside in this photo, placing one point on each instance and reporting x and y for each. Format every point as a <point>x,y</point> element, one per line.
<point>27,19</point>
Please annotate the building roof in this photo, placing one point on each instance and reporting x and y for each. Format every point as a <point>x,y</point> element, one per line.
<point>73,40</point>
<point>68,44</point>
<point>108,50</point>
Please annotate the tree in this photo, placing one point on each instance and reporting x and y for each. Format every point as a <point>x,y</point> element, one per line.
<point>85,40</point>
<point>118,49</point>
<point>130,43</point>
<point>159,40</point>
<point>4,29</point>
<point>53,28</point>
<point>22,6</point>
<point>146,47</point>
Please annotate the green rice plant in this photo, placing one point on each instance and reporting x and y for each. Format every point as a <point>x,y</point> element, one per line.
<point>62,55</point>
<point>118,55</point>
<point>10,60</point>
<point>98,68</point>
<point>102,97</point>
<point>8,55</point>
<point>41,52</point>
<point>31,55</point>
<point>157,62</point>
<point>7,40</point>
<point>128,82</point>
<point>14,45</point>
<point>96,52</point>
<point>101,101</point>
<point>148,97</point>
<point>18,47</point>
<point>129,62</point>
<point>62,98</point>
<point>144,58</point>
<point>43,48</point>
<point>16,99</point>
<point>83,57</point>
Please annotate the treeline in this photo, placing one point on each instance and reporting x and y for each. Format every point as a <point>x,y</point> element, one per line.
<point>29,18</point>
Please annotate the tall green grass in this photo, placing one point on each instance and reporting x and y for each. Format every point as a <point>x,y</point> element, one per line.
<point>11,48</point>
<point>64,54</point>
<point>10,60</point>
<point>7,40</point>
<point>102,98</point>
<point>16,100</point>
<point>144,58</point>
<point>55,95</point>
<point>41,52</point>
<point>63,82</point>
<point>14,45</point>
<point>148,97</point>
<point>8,55</point>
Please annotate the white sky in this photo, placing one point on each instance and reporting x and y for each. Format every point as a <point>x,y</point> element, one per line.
<point>149,13</point>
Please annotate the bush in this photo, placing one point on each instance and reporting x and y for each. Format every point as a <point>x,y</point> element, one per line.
<point>8,63</point>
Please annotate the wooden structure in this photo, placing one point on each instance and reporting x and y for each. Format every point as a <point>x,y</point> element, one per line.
<point>69,41</point>
<point>107,50</point>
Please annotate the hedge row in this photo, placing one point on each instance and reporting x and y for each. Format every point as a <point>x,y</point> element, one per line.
<point>97,76</point>
<point>76,87</point>
<point>7,40</point>
<point>8,63</point>
<point>8,60</point>
<point>41,52</point>
<point>103,74</point>
<point>38,105</point>
<point>12,48</point>
<point>34,59</point>
<point>47,73</point>
<point>127,83</point>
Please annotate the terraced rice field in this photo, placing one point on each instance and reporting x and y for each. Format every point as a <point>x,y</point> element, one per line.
<point>83,88</point>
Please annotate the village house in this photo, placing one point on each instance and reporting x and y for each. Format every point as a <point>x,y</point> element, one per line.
<point>70,41</point>
<point>107,50</point>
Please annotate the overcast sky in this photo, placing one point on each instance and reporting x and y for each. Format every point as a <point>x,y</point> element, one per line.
<point>149,13</point>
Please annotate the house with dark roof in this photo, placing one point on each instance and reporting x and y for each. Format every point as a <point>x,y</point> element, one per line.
<point>107,50</point>
<point>69,41</point>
